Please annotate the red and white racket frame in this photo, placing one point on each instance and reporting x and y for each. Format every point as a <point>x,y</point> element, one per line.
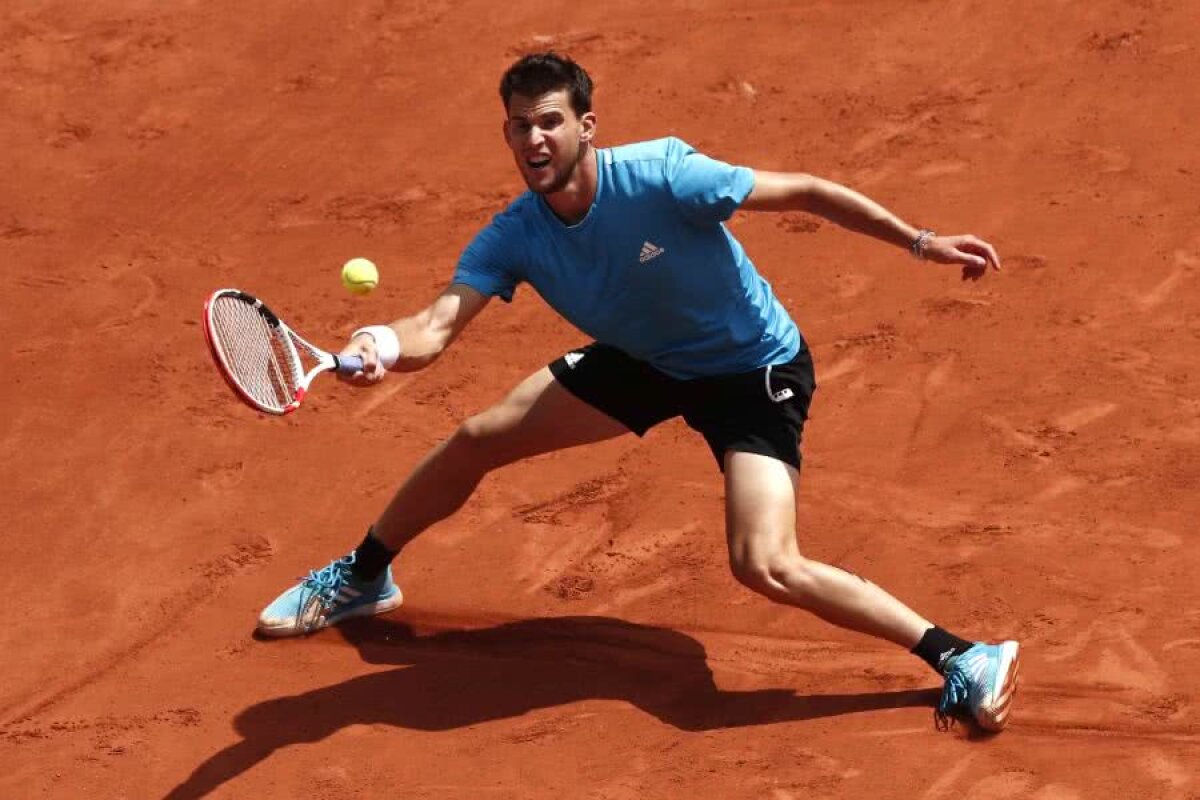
<point>326,361</point>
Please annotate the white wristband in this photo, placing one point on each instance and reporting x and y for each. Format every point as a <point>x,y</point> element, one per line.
<point>387,343</point>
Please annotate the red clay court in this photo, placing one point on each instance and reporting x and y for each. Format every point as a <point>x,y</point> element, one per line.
<point>1016,457</point>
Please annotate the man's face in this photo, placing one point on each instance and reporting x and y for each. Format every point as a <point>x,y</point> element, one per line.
<point>546,138</point>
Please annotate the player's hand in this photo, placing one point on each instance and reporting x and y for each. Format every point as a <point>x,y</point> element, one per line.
<point>974,254</point>
<point>372,372</point>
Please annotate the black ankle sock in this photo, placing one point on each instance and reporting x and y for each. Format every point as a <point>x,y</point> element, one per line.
<point>370,558</point>
<point>937,647</point>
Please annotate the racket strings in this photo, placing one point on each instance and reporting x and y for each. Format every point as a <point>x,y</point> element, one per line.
<point>256,353</point>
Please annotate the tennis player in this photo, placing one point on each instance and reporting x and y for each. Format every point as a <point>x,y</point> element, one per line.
<point>628,244</point>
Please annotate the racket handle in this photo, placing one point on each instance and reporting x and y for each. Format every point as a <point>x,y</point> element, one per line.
<point>348,365</point>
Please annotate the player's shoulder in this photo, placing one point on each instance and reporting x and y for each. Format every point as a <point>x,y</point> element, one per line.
<point>509,227</point>
<point>516,212</point>
<point>667,148</point>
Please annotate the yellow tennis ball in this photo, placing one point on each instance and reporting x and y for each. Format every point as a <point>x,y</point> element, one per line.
<point>360,276</point>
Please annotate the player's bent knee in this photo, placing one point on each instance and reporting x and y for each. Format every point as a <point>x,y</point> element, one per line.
<point>475,431</point>
<point>482,440</point>
<point>775,575</point>
<point>754,575</point>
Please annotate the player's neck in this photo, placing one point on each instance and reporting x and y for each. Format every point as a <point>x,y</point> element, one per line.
<point>572,203</point>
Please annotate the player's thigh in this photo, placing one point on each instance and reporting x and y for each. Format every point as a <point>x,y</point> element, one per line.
<point>538,416</point>
<point>760,509</point>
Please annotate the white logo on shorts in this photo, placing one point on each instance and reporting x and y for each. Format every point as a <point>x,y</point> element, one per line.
<point>572,359</point>
<point>782,394</point>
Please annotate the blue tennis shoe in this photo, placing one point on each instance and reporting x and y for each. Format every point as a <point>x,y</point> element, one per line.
<point>326,597</point>
<point>981,682</point>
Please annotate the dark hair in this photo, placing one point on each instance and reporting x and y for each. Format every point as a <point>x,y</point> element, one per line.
<point>538,73</point>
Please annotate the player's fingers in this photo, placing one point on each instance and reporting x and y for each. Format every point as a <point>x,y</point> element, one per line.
<point>973,261</point>
<point>372,371</point>
<point>992,255</point>
<point>959,252</point>
<point>977,246</point>
<point>360,348</point>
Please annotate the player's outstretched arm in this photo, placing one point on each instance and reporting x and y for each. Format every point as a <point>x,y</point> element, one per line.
<point>420,338</point>
<point>797,191</point>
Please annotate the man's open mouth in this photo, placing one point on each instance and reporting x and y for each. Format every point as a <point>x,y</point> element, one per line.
<point>538,163</point>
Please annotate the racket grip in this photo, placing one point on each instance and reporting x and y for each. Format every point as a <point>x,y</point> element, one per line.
<point>348,365</point>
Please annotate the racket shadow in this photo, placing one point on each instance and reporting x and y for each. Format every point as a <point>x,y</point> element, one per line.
<point>455,678</point>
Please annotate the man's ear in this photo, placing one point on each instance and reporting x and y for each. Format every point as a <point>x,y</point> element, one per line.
<point>587,127</point>
<point>504,130</point>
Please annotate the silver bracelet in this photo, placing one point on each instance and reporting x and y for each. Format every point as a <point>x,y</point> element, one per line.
<point>919,244</point>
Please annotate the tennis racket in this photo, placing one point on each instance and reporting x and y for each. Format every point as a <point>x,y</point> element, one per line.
<point>260,356</point>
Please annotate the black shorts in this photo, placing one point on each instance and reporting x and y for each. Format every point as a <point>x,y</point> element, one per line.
<point>762,411</point>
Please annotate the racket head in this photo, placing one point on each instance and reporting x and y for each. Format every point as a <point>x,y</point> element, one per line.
<point>255,352</point>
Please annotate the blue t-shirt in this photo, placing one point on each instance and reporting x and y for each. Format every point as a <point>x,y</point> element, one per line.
<point>651,269</point>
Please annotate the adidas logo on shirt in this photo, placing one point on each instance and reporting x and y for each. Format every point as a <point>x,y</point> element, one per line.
<point>650,250</point>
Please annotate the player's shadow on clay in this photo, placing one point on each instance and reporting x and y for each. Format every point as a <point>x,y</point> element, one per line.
<point>456,678</point>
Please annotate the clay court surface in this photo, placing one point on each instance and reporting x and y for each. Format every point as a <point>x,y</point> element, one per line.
<point>1016,457</point>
